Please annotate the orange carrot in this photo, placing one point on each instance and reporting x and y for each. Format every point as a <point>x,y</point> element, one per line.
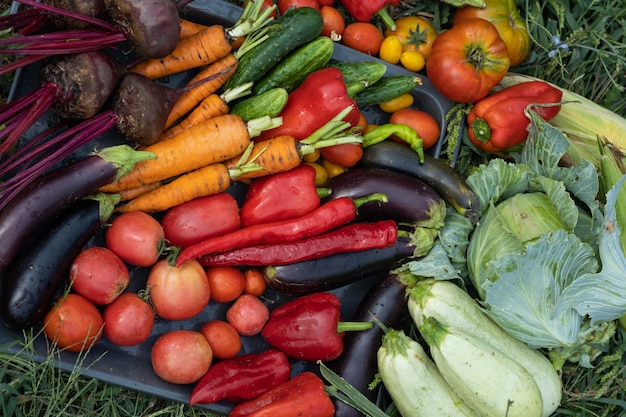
<point>208,180</point>
<point>215,140</point>
<point>131,193</point>
<point>189,28</point>
<point>212,106</point>
<point>197,89</point>
<point>207,46</point>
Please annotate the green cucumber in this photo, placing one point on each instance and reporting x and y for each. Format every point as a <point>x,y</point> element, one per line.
<point>270,103</point>
<point>359,75</point>
<point>387,88</point>
<point>291,71</point>
<point>290,31</point>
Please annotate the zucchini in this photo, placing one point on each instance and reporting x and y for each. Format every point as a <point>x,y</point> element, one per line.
<point>413,380</point>
<point>290,31</point>
<point>453,307</point>
<point>269,103</point>
<point>486,379</point>
<point>291,71</point>
<point>387,88</point>
<point>359,75</point>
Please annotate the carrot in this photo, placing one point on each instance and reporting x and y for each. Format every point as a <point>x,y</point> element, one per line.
<point>189,28</point>
<point>207,46</point>
<point>212,106</point>
<point>208,180</point>
<point>282,153</point>
<point>215,140</point>
<point>197,90</point>
<point>131,193</point>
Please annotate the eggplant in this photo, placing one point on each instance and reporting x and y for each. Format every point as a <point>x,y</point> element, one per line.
<point>434,172</point>
<point>56,191</point>
<point>357,364</point>
<point>30,283</point>
<point>410,200</point>
<point>330,272</point>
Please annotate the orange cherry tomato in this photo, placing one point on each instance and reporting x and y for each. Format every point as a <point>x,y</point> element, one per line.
<point>424,124</point>
<point>226,283</point>
<point>223,338</point>
<point>334,23</point>
<point>364,37</point>
<point>255,282</point>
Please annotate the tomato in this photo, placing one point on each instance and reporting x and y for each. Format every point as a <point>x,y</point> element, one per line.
<point>283,5</point>
<point>334,23</point>
<point>332,169</point>
<point>255,282</point>
<point>401,102</point>
<point>415,33</point>
<point>364,37</point>
<point>321,175</point>
<point>181,356</point>
<point>99,275</point>
<point>510,25</point>
<point>424,124</point>
<point>73,323</point>
<point>467,60</point>
<point>128,320</point>
<point>390,49</point>
<point>223,338</point>
<point>136,237</point>
<point>412,60</point>
<point>345,155</point>
<point>247,315</point>
<point>200,219</point>
<point>225,282</point>
<point>178,293</point>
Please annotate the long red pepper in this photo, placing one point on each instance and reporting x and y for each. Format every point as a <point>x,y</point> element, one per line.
<point>351,238</point>
<point>324,218</point>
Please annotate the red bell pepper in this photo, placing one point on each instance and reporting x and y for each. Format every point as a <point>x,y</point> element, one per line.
<point>499,122</point>
<point>366,10</point>
<point>351,238</point>
<point>320,97</point>
<point>309,328</point>
<point>281,196</point>
<point>242,378</point>
<point>304,396</point>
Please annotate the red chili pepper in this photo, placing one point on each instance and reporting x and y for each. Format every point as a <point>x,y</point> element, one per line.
<point>351,238</point>
<point>309,328</point>
<point>499,122</point>
<point>281,196</point>
<point>365,10</point>
<point>242,378</point>
<point>320,97</point>
<point>324,218</point>
<point>304,396</point>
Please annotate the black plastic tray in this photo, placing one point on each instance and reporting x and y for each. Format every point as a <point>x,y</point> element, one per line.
<point>130,367</point>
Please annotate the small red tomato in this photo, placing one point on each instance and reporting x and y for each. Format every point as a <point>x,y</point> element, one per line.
<point>424,124</point>
<point>74,323</point>
<point>364,37</point>
<point>178,293</point>
<point>136,237</point>
<point>284,5</point>
<point>345,155</point>
<point>181,356</point>
<point>99,275</point>
<point>224,339</point>
<point>128,320</point>
<point>334,23</point>
<point>248,315</point>
<point>200,219</point>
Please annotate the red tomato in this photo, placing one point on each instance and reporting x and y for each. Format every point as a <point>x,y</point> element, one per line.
<point>99,275</point>
<point>74,323</point>
<point>225,282</point>
<point>364,37</point>
<point>200,219</point>
<point>467,60</point>
<point>345,155</point>
<point>223,338</point>
<point>283,5</point>
<point>424,124</point>
<point>181,356</point>
<point>178,293</point>
<point>136,237</point>
<point>248,315</point>
<point>334,23</point>
<point>255,282</point>
<point>128,320</point>
<point>325,2</point>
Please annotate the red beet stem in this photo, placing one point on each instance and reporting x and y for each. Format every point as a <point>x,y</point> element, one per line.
<point>77,16</point>
<point>60,42</point>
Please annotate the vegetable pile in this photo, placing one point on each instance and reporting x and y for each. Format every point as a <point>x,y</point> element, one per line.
<point>292,233</point>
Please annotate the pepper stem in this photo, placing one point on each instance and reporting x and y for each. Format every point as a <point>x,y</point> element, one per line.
<point>386,18</point>
<point>351,326</point>
<point>404,132</point>
<point>481,130</point>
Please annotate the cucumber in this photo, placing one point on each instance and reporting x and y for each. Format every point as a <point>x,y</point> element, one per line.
<point>387,88</point>
<point>359,75</point>
<point>291,71</point>
<point>269,103</point>
<point>290,31</point>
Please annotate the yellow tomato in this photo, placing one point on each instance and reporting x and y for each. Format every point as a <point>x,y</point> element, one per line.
<point>413,61</point>
<point>332,169</point>
<point>321,175</point>
<point>416,34</point>
<point>395,104</point>
<point>390,50</point>
<point>312,157</point>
